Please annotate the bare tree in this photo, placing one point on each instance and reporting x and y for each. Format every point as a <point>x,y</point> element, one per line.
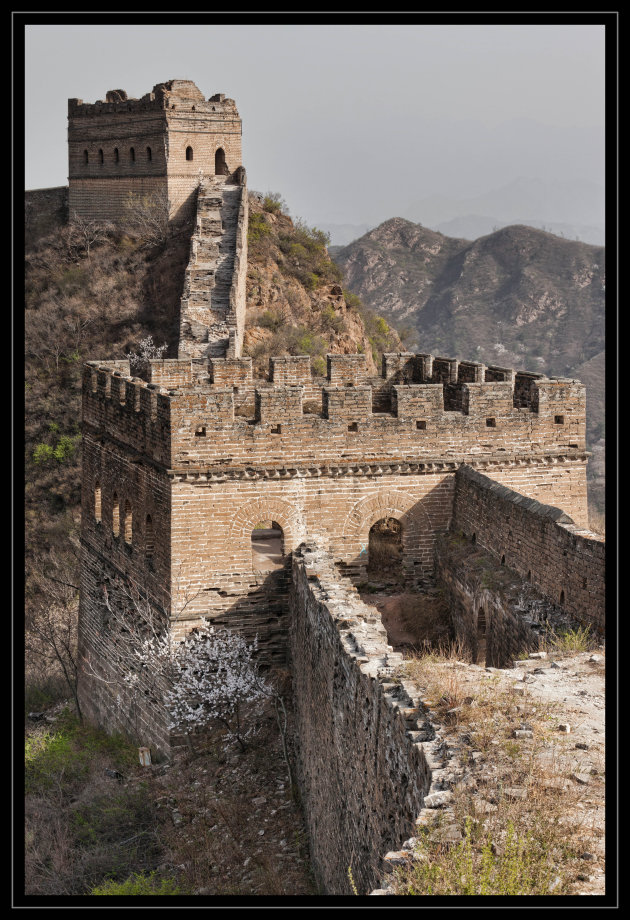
<point>84,233</point>
<point>149,216</point>
<point>51,639</point>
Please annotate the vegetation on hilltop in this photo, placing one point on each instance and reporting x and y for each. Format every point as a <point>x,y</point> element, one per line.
<point>295,301</point>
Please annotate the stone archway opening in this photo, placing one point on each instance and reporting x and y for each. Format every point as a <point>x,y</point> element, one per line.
<point>220,166</point>
<point>267,541</point>
<point>385,549</point>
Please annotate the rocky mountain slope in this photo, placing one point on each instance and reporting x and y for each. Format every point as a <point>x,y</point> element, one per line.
<point>519,297</point>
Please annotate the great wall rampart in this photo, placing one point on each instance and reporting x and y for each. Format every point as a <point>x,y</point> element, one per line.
<point>483,468</point>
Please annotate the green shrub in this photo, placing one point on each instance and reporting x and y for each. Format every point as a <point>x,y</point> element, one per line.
<point>474,868</point>
<point>569,641</point>
<point>257,227</point>
<point>139,884</point>
<point>274,203</point>
<point>270,320</point>
<point>318,367</point>
<point>43,453</point>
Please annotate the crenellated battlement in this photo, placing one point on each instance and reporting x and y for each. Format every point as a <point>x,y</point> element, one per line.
<point>180,95</point>
<point>302,419</point>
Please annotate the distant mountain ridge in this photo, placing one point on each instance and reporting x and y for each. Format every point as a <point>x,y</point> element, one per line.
<point>518,297</point>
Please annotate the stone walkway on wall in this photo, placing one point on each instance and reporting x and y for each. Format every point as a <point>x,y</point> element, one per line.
<point>206,299</point>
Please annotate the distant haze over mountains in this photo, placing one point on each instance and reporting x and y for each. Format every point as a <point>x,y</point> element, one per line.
<point>570,208</point>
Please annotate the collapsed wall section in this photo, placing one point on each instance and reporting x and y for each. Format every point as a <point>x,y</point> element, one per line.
<point>362,766</point>
<point>540,542</point>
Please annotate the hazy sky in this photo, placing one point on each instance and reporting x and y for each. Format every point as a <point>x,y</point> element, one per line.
<point>348,122</point>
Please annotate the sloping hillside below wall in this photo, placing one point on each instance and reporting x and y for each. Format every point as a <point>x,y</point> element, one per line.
<point>541,543</point>
<point>362,769</point>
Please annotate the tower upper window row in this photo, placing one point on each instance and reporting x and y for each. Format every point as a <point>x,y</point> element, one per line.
<point>116,156</point>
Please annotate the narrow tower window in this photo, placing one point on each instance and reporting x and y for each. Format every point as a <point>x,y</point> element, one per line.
<point>385,549</point>
<point>149,155</point>
<point>116,155</point>
<point>101,158</point>
<point>149,543</point>
<point>97,503</point>
<point>127,522</point>
<point>132,155</point>
<point>115,515</point>
<point>86,158</point>
<point>189,153</point>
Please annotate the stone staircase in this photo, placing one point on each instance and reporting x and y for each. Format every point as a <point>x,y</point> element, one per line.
<point>205,306</point>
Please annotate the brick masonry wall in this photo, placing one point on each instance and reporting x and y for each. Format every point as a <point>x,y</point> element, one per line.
<point>116,479</point>
<point>363,775</point>
<point>495,615</point>
<point>45,210</point>
<point>540,542</point>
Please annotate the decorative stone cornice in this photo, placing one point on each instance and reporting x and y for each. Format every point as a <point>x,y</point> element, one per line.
<point>373,469</point>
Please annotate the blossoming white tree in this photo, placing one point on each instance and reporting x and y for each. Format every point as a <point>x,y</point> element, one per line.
<point>213,677</point>
<point>210,675</point>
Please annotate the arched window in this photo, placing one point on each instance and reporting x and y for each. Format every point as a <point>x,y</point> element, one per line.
<point>132,154</point>
<point>189,153</point>
<point>149,544</point>
<point>562,597</point>
<point>101,158</point>
<point>220,166</point>
<point>127,521</point>
<point>86,158</point>
<point>116,155</point>
<point>115,515</point>
<point>267,546</point>
<point>149,154</point>
<point>385,549</point>
<point>97,503</point>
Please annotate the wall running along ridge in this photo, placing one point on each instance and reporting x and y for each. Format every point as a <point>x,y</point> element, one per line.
<point>369,764</point>
<point>212,314</point>
<point>566,563</point>
<point>209,455</point>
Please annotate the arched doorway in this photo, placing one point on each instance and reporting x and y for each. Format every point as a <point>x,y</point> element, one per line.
<point>385,550</point>
<point>220,166</point>
<point>267,546</point>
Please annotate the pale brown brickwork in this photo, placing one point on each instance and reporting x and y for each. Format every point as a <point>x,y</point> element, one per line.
<point>164,142</point>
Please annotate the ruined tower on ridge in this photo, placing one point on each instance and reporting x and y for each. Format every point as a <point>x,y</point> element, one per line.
<point>162,143</point>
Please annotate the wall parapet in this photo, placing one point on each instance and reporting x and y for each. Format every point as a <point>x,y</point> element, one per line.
<point>369,753</point>
<point>334,418</point>
<point>540,542</point>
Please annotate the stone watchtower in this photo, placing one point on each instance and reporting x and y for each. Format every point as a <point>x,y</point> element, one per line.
<point>162,143</point>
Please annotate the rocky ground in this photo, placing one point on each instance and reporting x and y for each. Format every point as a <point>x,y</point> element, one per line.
<point>230,824</point>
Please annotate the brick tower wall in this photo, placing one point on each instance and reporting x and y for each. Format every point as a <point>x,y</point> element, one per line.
<point>169,120</point>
